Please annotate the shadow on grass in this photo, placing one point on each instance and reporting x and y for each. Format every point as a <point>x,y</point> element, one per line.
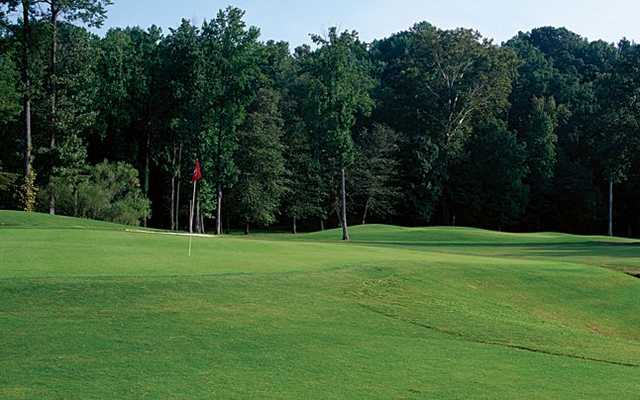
<point>563,249</point>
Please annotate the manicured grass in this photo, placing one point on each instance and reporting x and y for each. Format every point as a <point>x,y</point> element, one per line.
<point>614,253</point>
<point>16,219</point>
<point>89,311</point>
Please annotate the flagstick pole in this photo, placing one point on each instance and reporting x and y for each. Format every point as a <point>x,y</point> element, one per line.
<point>193,205</point>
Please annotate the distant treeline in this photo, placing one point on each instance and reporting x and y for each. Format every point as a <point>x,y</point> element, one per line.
<point>428,126</point>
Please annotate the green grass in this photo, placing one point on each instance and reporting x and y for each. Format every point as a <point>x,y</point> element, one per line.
<point>90,311</point>
<point>15,219</point>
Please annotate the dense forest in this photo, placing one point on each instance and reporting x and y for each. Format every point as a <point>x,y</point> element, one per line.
<point>427,126</point>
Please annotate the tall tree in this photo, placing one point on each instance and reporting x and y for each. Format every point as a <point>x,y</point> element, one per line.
<point>433,84</point>
<point>568,72</point>
<point>541,139</point>
<point>229,68</point>
<point>261,165</point>
<point>76,100</point>
<point>618,120</point>
<point>304,194</point>
<point>180,57</point>
<point>90,12</point>
<point>340,85</point>
<point>26,81</point>
<point>128,96</point>
<point>309,178</point>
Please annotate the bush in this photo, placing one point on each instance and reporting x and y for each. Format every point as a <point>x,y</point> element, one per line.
<point>28,192</point>
<point>106,191</point>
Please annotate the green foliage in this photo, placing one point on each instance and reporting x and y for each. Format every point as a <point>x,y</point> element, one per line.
<point>434,84</point>
<point>305,195</point>
<point>618,119</point>
<point>489,189</point>
<point>126,87</point>
<point>76,83</point>
<point>106,191</point>
<point>375,179</point>
<point>307,191</point>
<point>8,188</point>
<point>339,84</point>
<point>260,159</point>
<point>541,140</point>
<point>9,94</point>
<point>179,76</point>
<point>229,70</point>
<point>90,12</point>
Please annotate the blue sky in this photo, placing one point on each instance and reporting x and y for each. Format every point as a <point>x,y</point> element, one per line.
<point>292,21</point>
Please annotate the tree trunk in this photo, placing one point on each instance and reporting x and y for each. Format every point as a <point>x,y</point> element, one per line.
<point>610,206</point>
<point>147,158</point>
<point>294,226</point>
<point>198,220</point>
<point>173,200</point>
<point>53,91</point>
<point>52,72</point>
<point>75,201</point>
<point>345,228</point>
<point>26,81</point>
<point>201,222</point>
<point>364,214</point>
<point>246,228</point>
<point>178,176</point>
<point>219,211</point>
<point>321,224</point>
<point>52,204</point>
<point>338,212</point>
<point>172,209</point>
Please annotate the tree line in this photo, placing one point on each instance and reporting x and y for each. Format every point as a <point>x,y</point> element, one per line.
<point>427,126</point>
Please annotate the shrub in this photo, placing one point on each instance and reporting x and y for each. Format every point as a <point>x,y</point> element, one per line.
<point>106,191</point>
<point>28,192</point>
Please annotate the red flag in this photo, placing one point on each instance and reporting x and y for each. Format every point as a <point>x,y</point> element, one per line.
<point>197,173</point>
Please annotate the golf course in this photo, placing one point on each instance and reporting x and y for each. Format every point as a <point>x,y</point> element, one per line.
<point>91,310</point>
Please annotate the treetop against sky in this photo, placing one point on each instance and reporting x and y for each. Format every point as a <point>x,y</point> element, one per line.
<point>293,20</point>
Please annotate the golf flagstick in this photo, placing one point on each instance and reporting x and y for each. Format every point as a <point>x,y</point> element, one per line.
<point>193,201</point>
<point>197,175</point>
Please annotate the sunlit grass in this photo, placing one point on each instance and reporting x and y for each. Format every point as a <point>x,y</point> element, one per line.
<point>90,311</point>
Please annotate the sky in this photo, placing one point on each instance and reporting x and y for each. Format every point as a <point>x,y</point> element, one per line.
<point>293,21</point>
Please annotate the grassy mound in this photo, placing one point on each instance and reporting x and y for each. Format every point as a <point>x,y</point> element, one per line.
<point>469,236</point>
<point>614,253</point>
<point>400,313</point>
<point>17,219</point>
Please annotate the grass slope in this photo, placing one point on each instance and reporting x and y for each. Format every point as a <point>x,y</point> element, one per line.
<point>17,219</point>
<point>97,313</point>
<point>614,253</point>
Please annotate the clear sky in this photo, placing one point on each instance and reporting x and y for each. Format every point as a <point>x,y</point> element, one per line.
<point>292,20</point>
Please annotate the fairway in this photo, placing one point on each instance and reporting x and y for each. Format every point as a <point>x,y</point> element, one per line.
<point>91,311</point>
